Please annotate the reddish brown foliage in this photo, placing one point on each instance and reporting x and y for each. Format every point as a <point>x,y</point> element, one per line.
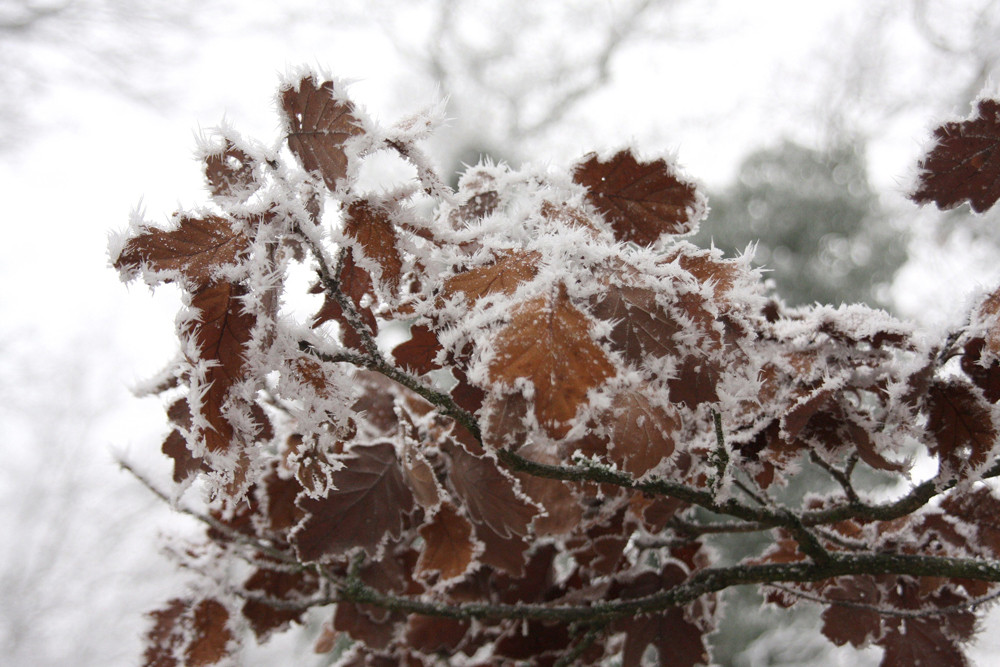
<point>527,477</point>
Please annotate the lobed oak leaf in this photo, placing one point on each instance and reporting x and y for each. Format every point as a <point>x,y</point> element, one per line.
<point>281,586</point>
<point>369,224</point>
<point>489,494</point>
<point>640,200</point>
<point>221,334</point>
<point>562,508</point>
<point>367,504</point>
<point>195,250</point>
<point>641,432</point>
<point>196,631</point>
<point>548,342</point>
<point>696,381</point>
<point>449,547</point>
<point>433,634</point>
<point>980,508</point>
<point>320,122</point>
<point>985,377</point>
<point>229,171</point>
<point>678,641</point>
<point>505,275</point>
<point>844,621</point>
<point>961,424</point>
<point>419,352</point>
<point>964,163</point>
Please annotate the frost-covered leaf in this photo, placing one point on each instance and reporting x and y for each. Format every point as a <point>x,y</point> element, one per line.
<point>677,640</point>
<point>548,342</point>
<point>197,632</point>
<point>640,200</point>
<point>229,171</point>
<point>511,269</point>
<point>321,120</point>
<point>419,352</point>
<point>280,586</point>
<point>196,249</point>
<point>641,431</point>
<point>964,163</point>
<point>563,512</point>
<point>847,622</point>
<point>221,334</point>
<point>448,544</point>
<point>367,504</point>
<point>489,494</point>
<point>962,426</point>
<point>370,226</point>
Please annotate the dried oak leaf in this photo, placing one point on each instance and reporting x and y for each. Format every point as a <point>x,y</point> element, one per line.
<point>548,342</point>
<point>678,641</point>
<point>964,164</point>
<point>562,508</point>
<point>641,432</point>
<point>927,639</point>
<point>230,171</point>
<point>368,502</point>
<point>198,631</point>
<point>986,377</point>
<point>418,353</point>
<point>370,225</point>
<point>980,508</point>
<point>962,426</point>
<point>511,269</point>
<point>448,544</point>
<point>221,334</point>
<point>644,327</point>
<point>321,120</point>
<point>489,493</point>
<point>280,586</point>
<point>844,621</point>
<point>195,250</point>
<point>640,200</point>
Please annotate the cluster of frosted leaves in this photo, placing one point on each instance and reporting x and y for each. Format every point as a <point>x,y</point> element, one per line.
<point>558,317</point>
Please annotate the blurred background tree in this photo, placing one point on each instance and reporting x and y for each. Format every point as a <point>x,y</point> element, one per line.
<point>816,221</point>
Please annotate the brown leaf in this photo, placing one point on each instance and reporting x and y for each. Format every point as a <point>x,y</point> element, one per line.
<point>320,121</point>
<point>961,424</point>
<point>642,326</point>
<point>419,351</point>
<point>678,641</point>
<point>964,164</point>
<point>196,249</point>
<point>847,623</point>
<point>431,634</point>
<point>221,334</point>
<point>448,544</point>
<point>186,464</point>
<point>563,510</point>
<point>640,200</point>
<point>370,225</point>
<point>642,433</point>
<point>277,585</point>
<point>367,503</point>
<point>488,493</point>
<point>548,342</point>
<point>196,630</point>
<point>420,476</point>
<point>696,381</point>
<point>980,508</point>
<point>230,172</point>
<point>986,377</point>
<point>511,269</point>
